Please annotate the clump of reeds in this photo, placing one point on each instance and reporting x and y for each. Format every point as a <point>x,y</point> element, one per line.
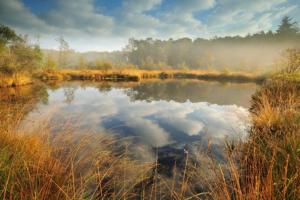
<point>266,165</point>
<point>64,165</point>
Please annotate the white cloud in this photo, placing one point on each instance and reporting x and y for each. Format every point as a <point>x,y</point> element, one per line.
<point>79,16</point>
<point>88,28</point>
<point>193,5</point>
<point>137,6</point>
<point>15,14</point>
<point>234,17</point>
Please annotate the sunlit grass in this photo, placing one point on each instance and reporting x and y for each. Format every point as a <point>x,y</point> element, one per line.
<point>7,80</point>
<point>136,75</point>
<point>65,165</point>
<point>266,166</point>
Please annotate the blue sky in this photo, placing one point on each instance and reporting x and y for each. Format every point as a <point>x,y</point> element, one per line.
<point>108,24</point>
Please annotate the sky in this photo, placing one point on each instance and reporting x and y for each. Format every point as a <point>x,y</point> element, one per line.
<point>106,25</point>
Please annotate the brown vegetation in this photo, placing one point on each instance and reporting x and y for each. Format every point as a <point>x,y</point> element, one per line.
<point>136,75</point>
<point>68,166</point>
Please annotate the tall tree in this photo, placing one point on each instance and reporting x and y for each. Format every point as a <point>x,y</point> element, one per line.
<point>63,52</point>
<point>8,35</point>
<point>287,28</point>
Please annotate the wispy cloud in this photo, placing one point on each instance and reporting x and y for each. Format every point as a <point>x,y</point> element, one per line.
<point>89,28</point>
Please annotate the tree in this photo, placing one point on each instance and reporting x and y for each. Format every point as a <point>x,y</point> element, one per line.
<point>16,54</point>
<point>64,49</point>
<point>50,63</point>
<point>82,62</point>
<point>8,35</point>
<point>287,28</point>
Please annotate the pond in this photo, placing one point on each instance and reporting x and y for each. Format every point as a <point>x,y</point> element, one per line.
<point>168,116</point>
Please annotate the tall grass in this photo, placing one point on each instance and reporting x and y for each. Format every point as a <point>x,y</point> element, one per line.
<point>65,165</point>
<point>41,165</point>
<point>267,165</point>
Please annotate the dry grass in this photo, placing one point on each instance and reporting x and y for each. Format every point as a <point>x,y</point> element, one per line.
<point>40,165</point>
<point>267,165</point>
<point>68,166</point>
<point>32,168</point>
<point>136,75</point>
<point>7,80</point>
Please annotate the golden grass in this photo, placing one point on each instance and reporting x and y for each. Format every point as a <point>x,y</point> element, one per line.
<point>266,166</point>
<point>39,165</point>
<point>14,80</point>
<point>68,166</point>
<point>136,75</point>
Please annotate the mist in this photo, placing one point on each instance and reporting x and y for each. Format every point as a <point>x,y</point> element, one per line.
<point>260,52</point>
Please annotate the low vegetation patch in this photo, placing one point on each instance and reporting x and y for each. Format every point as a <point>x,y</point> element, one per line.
<point>266,166</point>
<point>136,75</point>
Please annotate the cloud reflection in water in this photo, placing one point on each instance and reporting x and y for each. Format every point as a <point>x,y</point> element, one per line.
<point>156,123</point>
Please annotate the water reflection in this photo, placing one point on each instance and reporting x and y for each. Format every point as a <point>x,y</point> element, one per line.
<point>155,114</point>
<point>17,102</point>
<point>195,91</point>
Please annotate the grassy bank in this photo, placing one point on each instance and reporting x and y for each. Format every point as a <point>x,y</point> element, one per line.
<point>273,152</point>
<point>38,165</point>
<point>7,80</point>
<point>136,75</point>
<point>266,166</point>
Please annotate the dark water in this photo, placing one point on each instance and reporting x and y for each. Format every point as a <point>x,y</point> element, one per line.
<point>166,115</point>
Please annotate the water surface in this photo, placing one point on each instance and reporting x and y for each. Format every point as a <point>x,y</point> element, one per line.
<point>168,115</point>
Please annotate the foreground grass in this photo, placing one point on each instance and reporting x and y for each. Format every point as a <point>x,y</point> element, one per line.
<point>39,165</point>
<point>267,165</point>
<point>273,153</point>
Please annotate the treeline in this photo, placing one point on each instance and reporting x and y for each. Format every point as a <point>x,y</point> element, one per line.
<point>252,52</point>
<point>255,52</point>
<point>87,60</point>
<point>243,53</point>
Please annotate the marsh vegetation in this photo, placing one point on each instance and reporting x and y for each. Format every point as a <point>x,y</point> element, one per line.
<point>158,120</point>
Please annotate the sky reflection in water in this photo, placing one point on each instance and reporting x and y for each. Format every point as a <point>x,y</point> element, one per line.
<point>156,114</point>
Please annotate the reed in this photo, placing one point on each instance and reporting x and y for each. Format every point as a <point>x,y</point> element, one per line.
<point>266,166</point>
<point>40,165</point>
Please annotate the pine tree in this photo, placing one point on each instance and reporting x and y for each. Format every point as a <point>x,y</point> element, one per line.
<point>287,28</point>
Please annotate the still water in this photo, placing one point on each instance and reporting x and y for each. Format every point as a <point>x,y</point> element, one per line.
<point>168,115</point>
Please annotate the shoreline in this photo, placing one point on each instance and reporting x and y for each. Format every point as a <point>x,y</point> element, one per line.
<point>129,76</point>
<point>137,75</point>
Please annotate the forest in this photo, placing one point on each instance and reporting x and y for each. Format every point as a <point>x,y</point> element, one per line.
<point>252,52</point>
<point>259,52</point>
